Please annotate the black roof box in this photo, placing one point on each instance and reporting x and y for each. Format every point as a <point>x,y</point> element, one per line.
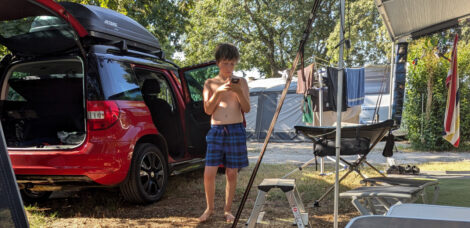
<point>105,25</point>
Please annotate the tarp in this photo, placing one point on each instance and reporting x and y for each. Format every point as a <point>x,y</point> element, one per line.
<point>264,96</point>
<point>416,18</point>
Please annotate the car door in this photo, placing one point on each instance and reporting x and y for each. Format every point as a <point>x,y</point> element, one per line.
<point>197,122</point>
<point>38,28</point>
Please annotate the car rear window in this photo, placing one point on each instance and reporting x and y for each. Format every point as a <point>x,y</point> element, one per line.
<point>43,80</point>
<point>29,25</point>
<point>118,80</point>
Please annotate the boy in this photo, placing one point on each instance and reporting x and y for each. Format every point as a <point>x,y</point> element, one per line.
<point>225,98</point>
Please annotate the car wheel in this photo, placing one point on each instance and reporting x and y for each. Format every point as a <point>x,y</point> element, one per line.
<point>33,197</point>
<point>147,177</point>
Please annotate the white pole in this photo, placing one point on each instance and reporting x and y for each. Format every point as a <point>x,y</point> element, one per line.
<point>339,102</point>
<point>392,68</point>
<point>320,98</point>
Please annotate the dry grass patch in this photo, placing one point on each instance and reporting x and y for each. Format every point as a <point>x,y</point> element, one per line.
<point>184,201</point>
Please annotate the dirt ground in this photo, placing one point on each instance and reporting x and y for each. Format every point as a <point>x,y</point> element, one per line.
<point>179,207</point>
<point>184,199</point>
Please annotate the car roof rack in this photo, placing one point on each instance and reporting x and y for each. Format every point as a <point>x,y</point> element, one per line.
<point>106,26</point>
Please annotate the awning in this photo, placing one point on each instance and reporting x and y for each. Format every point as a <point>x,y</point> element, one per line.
<point>416,18</point>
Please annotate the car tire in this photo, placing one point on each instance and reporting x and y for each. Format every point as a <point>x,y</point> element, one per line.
<point>147,177</point>
<point>32,197</point>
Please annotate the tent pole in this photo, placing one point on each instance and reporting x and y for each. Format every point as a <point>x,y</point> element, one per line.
<point>390,89</point>
<point>339,102</point>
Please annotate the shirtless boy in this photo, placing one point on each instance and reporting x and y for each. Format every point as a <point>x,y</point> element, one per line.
<point>225,98</point>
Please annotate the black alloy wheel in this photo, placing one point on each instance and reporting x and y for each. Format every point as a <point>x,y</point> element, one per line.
<point>148,175</point>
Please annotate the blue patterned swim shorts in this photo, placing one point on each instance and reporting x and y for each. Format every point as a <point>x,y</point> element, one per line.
<point>226,144</point>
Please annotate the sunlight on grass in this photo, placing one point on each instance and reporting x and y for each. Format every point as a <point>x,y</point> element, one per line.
<point>446,166</point>
<point>37,217</point>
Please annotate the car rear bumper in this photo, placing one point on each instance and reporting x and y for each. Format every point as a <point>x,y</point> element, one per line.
<point>103,163</point>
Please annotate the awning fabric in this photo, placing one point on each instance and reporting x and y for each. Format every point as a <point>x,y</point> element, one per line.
<point>416,18</point>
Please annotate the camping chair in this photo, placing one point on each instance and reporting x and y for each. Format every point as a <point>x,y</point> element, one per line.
<point>407,182</point>
<point>379,199</point>
<point>355,140</point>
<point>403,222</point>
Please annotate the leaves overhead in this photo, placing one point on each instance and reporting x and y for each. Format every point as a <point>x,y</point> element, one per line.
<point>266,32</point>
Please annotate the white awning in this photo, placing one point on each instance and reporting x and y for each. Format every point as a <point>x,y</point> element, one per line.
<point>416,18</point>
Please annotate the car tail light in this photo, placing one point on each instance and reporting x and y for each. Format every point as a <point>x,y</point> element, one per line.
<point>102,114</point>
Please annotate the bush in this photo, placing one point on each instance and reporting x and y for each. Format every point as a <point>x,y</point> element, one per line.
<point>426,127</point>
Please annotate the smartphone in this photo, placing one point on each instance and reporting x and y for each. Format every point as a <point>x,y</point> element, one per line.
<point>235,80</point>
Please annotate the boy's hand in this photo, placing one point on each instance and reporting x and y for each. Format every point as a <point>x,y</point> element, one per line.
<point>236,88</point>
<point>224,88</point>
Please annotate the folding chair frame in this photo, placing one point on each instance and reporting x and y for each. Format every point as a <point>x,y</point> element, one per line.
<point>375,132</point>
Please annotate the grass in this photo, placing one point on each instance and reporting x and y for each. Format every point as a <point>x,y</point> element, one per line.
<point>184,201</point>
<point>446,166</point>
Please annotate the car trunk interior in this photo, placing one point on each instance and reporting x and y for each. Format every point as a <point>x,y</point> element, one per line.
<point>42,104</point>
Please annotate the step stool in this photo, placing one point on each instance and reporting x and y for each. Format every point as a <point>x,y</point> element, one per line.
<point>288,187</point>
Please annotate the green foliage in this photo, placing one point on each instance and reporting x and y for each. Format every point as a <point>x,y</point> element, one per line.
<point>370,42</point>
<point>196,79</point>
<point>427,133</point>
<point>3,51</point>
<point>267,33</point>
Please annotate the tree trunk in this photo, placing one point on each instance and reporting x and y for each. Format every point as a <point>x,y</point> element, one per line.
<point>275,71</point>
<point>429,95</point>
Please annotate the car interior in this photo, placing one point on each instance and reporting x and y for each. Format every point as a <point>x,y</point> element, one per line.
<point>42,104</point>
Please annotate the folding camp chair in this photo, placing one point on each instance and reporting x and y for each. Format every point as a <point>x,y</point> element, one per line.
<point>407,182</point>
<point>355,140</point>
<point>378,199</point>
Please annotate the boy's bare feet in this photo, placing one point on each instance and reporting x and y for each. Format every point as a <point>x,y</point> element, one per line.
<point>229,217</point>
<point>206,215</point>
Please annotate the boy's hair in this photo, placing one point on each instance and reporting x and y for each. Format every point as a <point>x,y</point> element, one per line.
<point>226,51</point>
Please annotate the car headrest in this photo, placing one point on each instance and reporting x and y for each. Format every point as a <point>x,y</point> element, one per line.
<point>151,86</point>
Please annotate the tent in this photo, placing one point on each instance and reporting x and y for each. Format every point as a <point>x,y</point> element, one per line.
<point>265,93</point>
<point>264,96</point>
<point>376,76</point>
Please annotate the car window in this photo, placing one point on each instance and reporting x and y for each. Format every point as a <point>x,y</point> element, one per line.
<point>28,80</point>
<point>196,78</point>
<point>118,81</point>
<point>165,93</point>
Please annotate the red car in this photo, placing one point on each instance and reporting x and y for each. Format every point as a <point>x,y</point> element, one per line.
<point>87,98</point>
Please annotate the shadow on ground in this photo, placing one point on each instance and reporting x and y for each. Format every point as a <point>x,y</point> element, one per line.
<point>184,201</point>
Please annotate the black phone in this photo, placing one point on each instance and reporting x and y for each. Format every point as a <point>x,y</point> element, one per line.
<point>235,80</point>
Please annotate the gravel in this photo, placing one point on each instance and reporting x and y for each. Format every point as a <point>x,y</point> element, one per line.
<point>298,153</point>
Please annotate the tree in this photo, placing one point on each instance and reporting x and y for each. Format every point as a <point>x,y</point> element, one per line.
<point>370,42</point>
<point>267,32</point>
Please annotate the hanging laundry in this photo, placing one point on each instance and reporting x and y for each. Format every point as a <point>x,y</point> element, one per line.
<point>355,86</point>
<point>332,83</point>
<point>303,84</point>
<point>307,114</point>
